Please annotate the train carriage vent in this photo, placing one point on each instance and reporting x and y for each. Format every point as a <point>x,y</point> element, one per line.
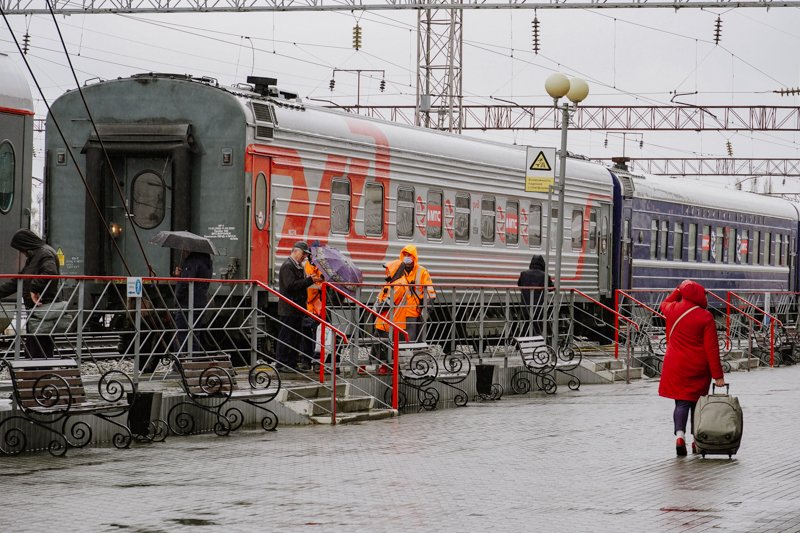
<point>265,120</point>
<point>627,185</point>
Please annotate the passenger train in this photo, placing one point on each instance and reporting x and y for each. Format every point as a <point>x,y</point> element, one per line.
<point>256,169</point>
<point>16,158</point>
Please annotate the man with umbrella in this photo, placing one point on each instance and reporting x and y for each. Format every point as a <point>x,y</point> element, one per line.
<point>293,284</point>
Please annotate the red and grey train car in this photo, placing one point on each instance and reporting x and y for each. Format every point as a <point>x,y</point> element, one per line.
<point>255,169</point>
<point>16,157</point>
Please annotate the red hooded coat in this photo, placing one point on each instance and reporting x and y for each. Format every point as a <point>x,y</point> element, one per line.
<point>692,357</point>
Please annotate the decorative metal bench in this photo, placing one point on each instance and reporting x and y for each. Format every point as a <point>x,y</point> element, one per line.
<point>49,392</point>
<point>542,363</point>
<point>419,368</point>
<point>210,378</point>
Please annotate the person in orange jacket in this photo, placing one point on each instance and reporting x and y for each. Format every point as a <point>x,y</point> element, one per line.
<point>409,283</point>
<point>309,326</point>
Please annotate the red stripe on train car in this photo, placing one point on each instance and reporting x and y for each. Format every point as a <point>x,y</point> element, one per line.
<point>14,111</point>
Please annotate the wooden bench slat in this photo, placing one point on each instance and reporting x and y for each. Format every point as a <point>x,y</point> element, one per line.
<point>43,363</point>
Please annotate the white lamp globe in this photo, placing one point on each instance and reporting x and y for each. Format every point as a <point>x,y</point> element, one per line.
<point>556,85</point>
<point>578,90</point>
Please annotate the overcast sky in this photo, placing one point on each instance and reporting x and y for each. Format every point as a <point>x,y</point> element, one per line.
<point>629,57</point>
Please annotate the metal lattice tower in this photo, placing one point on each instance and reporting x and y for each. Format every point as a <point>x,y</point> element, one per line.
<point>439,53</point>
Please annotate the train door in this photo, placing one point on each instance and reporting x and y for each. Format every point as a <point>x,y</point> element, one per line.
<point>260,219</point>
<point>627,249</point>
<point>604,251</point>
<point>147,186</point>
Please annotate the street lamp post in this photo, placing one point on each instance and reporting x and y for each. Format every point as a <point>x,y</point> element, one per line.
<point>558,85</point>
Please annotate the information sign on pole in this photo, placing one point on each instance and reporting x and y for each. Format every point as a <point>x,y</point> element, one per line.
<point>134,287</point>
<point>540,169</point>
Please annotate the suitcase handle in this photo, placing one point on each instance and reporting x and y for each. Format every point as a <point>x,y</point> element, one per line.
<point>727,388</point>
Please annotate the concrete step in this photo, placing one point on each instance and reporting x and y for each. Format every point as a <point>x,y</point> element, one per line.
<point>312,391</point>
<point>598,364</point>
<point>347,418</point>
<point>621,373</point>
<point>322,406</point>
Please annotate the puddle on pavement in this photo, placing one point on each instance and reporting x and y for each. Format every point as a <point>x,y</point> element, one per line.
<point>193,522</point>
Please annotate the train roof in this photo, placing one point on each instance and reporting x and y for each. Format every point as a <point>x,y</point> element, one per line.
<point>693,192</point>
<point>15,94</point>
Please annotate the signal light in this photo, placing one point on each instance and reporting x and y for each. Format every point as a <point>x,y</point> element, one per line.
<point>357,37</point>
<point>717,30</point>
<point>536,35</point>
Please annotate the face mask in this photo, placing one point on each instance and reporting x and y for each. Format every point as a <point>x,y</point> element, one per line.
<point>408,261</point>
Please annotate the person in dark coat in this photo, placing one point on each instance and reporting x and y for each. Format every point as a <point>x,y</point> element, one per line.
<point>293,283</point>
<point>40,259</point>
<point>534,277</point>
<point>196,265</point>
<point>692,358</point>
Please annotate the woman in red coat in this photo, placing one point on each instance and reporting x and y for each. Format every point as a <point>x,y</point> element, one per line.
<point>692,358</point>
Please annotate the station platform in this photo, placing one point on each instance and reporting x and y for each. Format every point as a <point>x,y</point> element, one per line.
<point>598,459</point>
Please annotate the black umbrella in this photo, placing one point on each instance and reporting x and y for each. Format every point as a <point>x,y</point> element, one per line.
<point>184,240</point>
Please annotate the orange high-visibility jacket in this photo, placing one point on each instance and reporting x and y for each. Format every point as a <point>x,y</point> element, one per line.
<point>314,304</point>
<point>408,290</point>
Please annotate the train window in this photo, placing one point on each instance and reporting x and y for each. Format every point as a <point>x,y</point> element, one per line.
<point>7,171</point>
<point>785,250</point>
<point>766,248</point>
<point>535,227</point>
<point>340,206</point>
<point>730,246</point>
<point>705,244</point>
<point>577,229</point>
<point>434,215</point>
<point>512,223</point>
<point>755,248</point>
<point>743,248</point>
<point>593,230</point>
<point>487,220</point>
<point>405,212</point>
<point>718,246</point>
<point>677,242</point>
<point>461,222</point>
<point>260,210</point>
<point>653,239</point>
<point>692,249</point>
<point>663,238</point>
<point>778,249</point>
<point>148,200</point>
<point>373,209</point>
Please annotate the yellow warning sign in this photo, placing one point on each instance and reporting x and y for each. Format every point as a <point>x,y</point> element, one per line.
<point>540,163</point>
<point>539,169</point>
<point>60,256</point>
<point>538,184</point>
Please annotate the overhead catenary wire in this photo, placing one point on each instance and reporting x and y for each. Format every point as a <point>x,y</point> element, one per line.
<point>66,143</point>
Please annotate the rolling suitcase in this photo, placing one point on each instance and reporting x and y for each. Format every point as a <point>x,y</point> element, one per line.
<point>718,424</point>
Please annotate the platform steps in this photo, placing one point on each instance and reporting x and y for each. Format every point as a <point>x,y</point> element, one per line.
<point>314,402</point>
<point>607,369</point>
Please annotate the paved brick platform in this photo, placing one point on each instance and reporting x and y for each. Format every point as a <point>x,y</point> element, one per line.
<point>601,459</point>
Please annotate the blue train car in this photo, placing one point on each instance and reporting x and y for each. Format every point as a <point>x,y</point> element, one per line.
<point>673,229</point>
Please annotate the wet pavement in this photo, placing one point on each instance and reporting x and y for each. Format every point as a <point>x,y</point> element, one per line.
<point>600,459</point>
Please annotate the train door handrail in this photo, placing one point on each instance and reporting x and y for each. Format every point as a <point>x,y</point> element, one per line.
<point>773,320</point>
<point>396,330</point>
